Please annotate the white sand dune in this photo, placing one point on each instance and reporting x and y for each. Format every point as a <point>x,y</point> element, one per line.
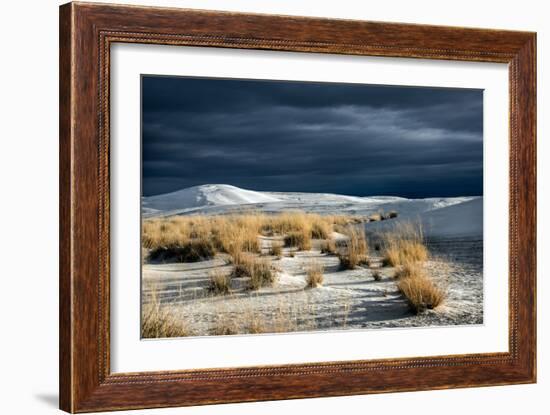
<point>455,220</point>
<point>203,196</point>
<point>221,198</point>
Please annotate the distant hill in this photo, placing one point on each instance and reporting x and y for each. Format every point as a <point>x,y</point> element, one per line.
<point>448,215</point>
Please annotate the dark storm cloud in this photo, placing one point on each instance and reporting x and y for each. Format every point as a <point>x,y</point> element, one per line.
<point>295,136</point>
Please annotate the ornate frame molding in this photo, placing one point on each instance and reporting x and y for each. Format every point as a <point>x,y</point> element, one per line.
<point>86,33</point>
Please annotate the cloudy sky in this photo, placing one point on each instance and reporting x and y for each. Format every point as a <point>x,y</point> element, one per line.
<point>311,137</point>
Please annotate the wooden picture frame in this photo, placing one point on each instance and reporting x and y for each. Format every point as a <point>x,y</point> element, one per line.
<point>86,33</point>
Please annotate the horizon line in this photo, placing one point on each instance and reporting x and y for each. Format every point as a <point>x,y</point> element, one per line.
<point>284,191</point>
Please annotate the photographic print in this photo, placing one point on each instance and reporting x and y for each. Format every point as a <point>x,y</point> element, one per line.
<point>273,206</point>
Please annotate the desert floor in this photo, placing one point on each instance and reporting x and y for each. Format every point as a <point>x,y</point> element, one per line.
<point>348,299</point>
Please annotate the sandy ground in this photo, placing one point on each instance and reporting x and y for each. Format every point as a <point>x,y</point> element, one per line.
<point>349,299</point>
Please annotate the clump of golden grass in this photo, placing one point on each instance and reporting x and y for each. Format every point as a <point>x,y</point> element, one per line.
<point>236,233</point>
<point>320,228</point>
<point>192,251</point>
<point>404,245</point>
<point>356,249</point>
<point>159,322</point>
<point>262,274</point>
<point>286,222</point>
<point>199,237</point>
<point>235,254</point>
<point>244,266</point>
<point>258,270</point>
<point>401,252</point>
<point>421,292</point>
<point>300,239</point>
<point>314,275</point>
<point>219,282</point>
<point>276,250</point>
<point>410,269</point>
<point>417,286</point>
<point>191,238</point>
<point>328,246</point>
<point>157,234</point>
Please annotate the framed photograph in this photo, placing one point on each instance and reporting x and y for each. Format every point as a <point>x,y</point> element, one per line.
<point>258,207</point>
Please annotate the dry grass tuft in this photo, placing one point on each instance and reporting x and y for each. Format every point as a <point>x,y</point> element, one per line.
<point>258,270</point>
<point>418,287</point>
<point>300,239</point>
<point>320,228</point>
<point>410,269</point>
<point>314,275</point>
<point>192,251</point>
<point>219,282</point>
<point>328,246</point>
<point>159,322</point>
<point>376,275</point>
<point>421,292</point>
<point>402,252</point>
<point>286,222</point>
<point>243,267</point>
<point>276,250</point>
<point>236,233</point>
<point>236,254</point>
<point>404,245</point>
<point>262,274</point>
<point>356,249</point>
